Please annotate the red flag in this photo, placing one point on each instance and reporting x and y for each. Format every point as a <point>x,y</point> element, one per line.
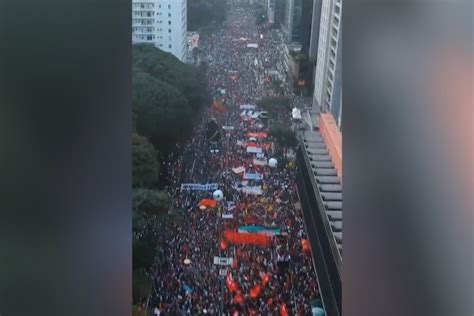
<point>255,291</point>
<point>224,244</point>
<point>283,310</point>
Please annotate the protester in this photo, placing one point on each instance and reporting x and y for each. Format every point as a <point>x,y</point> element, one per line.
<point>267,279</point>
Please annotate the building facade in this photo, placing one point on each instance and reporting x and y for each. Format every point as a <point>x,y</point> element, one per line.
<point>292,21</point>
<point>162,23</point>
<point>327,81</point>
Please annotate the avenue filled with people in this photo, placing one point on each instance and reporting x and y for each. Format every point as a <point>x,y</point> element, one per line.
<point>238,200</point>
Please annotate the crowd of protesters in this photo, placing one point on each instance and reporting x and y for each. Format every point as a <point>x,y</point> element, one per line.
<point>276,278</point>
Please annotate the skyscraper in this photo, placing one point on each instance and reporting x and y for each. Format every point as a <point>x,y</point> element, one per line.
<point>162,23</point>
<point>328,82</point>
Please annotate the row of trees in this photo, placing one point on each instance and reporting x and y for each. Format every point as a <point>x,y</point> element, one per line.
<point>205,13</point>
<point>148,204</point>
<point>166,96</point>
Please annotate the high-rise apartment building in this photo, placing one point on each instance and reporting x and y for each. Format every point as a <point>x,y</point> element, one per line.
<point>162,23</point>
<point>293,19</point>
<point>327,80</point>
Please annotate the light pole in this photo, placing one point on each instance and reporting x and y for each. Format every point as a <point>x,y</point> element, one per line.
<point>218,195</point>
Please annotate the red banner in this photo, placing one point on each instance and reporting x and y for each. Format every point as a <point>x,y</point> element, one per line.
<point>306,246</point>
<point>208,203</point>
<point>247,238</point>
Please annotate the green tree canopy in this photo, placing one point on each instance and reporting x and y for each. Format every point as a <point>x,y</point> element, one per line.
<point>139,311</point>
<point>141,286</point>
<point>146,169</point>
<point>150,202</point>
<point>166,95</point>
<point>284,136</point>
<point>202,13</point>
<point>143,253</point>
<point>274,104</point>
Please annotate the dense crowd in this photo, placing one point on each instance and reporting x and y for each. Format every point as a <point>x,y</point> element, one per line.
<point>186,282</point>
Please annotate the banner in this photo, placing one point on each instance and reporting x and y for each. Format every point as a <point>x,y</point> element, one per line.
<point>228,128</point>
<point>272,231</point>
<point>208,203</point>
<point>258,135</point>
<point>247,238</point>
<point>261,155</point>
<point>227,216</point>
<point>259,162</point>
<point>253,176</point>
<point>199,187</point>
<point>247,107</point>
<point>238,169</point>
<point>257,190</point>
<point>255,150</point>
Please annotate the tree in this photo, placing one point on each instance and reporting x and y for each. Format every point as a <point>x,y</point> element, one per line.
<point>275,104</point>
<point>139,311</point>
<point>146,169</point>
<point>166,95</point>
<point>143,251</point>
<point>162,113</point>
<point>187,79</point>
<point>141,286</point>
<point>284,136</point>
<point>150,202</point>
<point>203,13</point>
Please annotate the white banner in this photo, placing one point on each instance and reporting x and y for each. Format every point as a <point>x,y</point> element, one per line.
<point>222,261</point>
<point>248,107</point>
<point>199,187</point>
<point>253,190</point>
<point>253,176</point>
<point>238,170</point>
<point>260,155</point>
<point>259,162</point>
<point>228,128</point>
<point>227,216</point>
<point>255,150</point>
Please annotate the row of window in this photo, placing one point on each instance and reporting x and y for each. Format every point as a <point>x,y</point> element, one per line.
<point>143,14</point>
<point>143,29</point>
<point>161,22</point>
<point>161,13</point>
<point>169,46</point>
<point>144,37</point>
<point>169,6</point>
<point>143,22</point>
<point>142,6</point>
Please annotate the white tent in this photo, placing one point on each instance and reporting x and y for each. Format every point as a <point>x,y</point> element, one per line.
<point>296,113</point>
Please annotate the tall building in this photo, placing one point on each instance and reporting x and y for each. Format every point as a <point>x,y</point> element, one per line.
<point>314,36</point>
<point>327,81</point>
<point>292,22</point>
<point>162,23</point>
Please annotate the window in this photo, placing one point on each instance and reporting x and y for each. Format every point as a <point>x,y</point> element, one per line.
<point>169,6</point>
<point>159,6</point>
<point>169,30</point>
<point>169,15</point>
<point>170,38</point>
<point>169,46</point>
<point>149,37</point>
<point>169,22</point>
